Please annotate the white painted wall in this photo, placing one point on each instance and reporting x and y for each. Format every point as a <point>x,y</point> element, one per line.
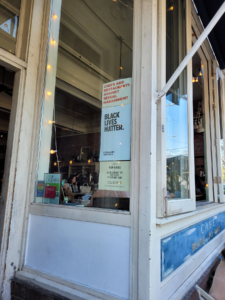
<point>91,254</point>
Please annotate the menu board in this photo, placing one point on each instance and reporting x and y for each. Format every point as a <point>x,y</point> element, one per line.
<point>52,180</point>
<point>115,176</point>
<point>117,92</point>
<point>115,133</point>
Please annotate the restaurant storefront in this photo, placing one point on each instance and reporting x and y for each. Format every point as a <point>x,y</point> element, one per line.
<point>112,182</point>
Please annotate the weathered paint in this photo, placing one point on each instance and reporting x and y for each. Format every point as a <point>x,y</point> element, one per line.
<point>179,247</point>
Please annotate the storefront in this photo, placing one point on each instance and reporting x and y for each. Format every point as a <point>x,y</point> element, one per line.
<point>111,188</point>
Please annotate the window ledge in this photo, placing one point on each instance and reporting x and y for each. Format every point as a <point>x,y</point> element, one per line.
<point>200,209</point>
<point>96,215</point>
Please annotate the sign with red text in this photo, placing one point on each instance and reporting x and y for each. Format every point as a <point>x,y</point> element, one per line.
<point>117,92</point>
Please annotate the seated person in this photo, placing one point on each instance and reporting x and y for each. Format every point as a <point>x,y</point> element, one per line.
<point>199,188</point>
<point>68,193</point>
<point>74,185</point>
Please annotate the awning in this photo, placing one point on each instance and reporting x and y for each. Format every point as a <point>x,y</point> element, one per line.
<point>206,10</point>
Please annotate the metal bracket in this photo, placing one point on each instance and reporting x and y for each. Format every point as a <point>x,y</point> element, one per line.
<point>159,95</point>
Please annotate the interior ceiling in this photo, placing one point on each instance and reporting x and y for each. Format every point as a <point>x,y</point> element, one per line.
<point>71,103</point>
<point>117,15</point>
<point>197,86</point>
<point>206,9</point>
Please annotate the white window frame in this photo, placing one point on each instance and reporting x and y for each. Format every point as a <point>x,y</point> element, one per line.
<point>216,76</point>
<point>166,207</point>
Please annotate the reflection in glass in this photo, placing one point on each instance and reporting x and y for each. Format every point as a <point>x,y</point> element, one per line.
<point>8,29</point>
<point>95,50</point>
<point>176,103</point>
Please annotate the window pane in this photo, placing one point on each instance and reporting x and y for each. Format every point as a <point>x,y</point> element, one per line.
<point>90,108</point>
<point>8,29</point>
<point>176,103</point>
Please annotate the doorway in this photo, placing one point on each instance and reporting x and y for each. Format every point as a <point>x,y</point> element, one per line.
<point>201,174</point>
<point>6,89</point>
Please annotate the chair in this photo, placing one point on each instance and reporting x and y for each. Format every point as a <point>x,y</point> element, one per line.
<point>202,294</point>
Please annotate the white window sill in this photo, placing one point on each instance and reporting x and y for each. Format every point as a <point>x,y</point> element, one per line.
<point>86,214</point>
<point>200,209</point>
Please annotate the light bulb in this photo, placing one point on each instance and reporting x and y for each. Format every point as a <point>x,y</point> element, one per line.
<point>49,93</point>
<point>71,162</point>
<point>202,66</point>
<point>5,25</point>
<point>51,122</point>
<point>53,42</point>
<point>49,67</point>
<point>54,17</point>
<point>200,73</point>
<point>193,80</point>
<point>171,8</point>
<point>207,185</point>
<point>53,151</point>
<point>89,161</point>
<point>121,68</point>
<point>55,163</point>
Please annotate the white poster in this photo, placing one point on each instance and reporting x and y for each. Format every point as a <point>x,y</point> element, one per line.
<point>115,176</point>
<point>117,92</point>
<point>115,133</point>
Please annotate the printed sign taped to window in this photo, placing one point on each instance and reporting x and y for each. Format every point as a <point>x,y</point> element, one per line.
<point>117,92</point>
<point>115,176</point>
<point>115,133</point>
<point>53,180</point>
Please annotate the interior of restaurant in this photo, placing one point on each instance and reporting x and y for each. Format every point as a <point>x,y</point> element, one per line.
<point>95,47</point>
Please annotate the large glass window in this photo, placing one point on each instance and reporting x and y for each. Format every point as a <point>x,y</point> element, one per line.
<point>84,157</point>
<point>177,150</point>
<point>9,18</point>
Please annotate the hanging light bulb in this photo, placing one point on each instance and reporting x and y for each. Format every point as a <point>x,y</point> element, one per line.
<point>51,122</point>
<point>49,67</point>
<point>171,8</point>
<point>55,163</point>
<point>53,151</point>
<point>71,162</point>
<point>200,73</point>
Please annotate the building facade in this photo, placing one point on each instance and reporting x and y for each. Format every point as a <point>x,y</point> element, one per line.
<point>112,167</point>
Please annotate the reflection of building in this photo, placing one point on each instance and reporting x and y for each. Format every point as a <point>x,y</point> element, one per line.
<point>138,243</point>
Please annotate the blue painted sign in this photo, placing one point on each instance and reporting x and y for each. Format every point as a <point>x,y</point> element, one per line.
<point>180,246</point>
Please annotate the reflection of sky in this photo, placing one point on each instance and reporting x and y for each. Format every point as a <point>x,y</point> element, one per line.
<point>176,127</point>
<point>9,24</point>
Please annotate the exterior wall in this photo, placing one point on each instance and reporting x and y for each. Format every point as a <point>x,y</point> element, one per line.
<point>115,253</point>
<point>91,254</point>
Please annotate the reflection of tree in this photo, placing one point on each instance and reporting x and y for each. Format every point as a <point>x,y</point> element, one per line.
<point>178,176</point>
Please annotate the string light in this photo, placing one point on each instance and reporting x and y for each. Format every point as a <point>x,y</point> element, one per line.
<point>207,185</point>
<point>54,17</point>
<point>55,163</point>
<point>53,151</point>
<point>71,162</point>
<point>202,66</point>
<point>53,42</point>
<point>5,25</point>
<point>121,68</point>
<point>200,73</point>
<point>49,93</point>
<point>171,8</point>
<point>89,161</point>
<point>49,67</point>
<point>51,122</point>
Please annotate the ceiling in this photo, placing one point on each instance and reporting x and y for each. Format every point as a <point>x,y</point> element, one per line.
<point>206,9</point>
